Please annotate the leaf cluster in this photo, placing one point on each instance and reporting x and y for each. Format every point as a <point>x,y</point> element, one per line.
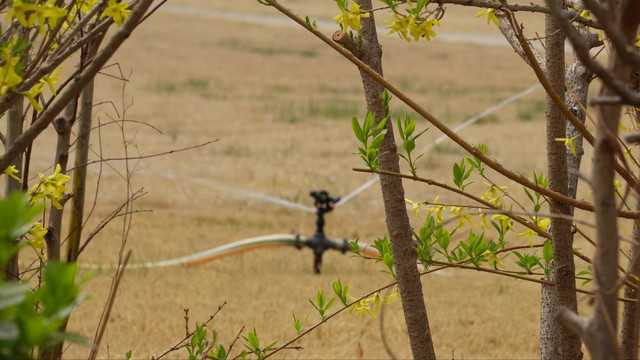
<point>371,138</point>
<point>30,319</point>
<point>322,305</point>
<point>252,343</point>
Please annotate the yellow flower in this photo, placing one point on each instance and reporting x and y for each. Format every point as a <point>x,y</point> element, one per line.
<point>50,187</point>
<point>390,298</point>
<point>47,12</point>
<point>8,76</point>
<point>492,195</point>
<point>38,242</point>
<point>617,184</point>
<point>362,308</point>
<point>637,43</point>
<point>456,211</point>
<point>350,18</point>
<point>504,220</point>
<point>493,259</point>
<point>570,143</point>
<point>85,5</point>
<point>51,80</point>
<point>437,209</point>
<point>483,219</point>
<point>491,16</point>
<point>542,225</point>
<point>585,14</point>
<point>18,11</point>
<point>416,208</point>
<point>529,234</point>
<point>118,11</point>
<point>424,28</point>
<point>32,94</point>
<point>12,171</point>
<point>398,25</point>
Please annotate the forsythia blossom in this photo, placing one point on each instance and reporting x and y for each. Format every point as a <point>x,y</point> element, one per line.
<point>350,18</point>
<point>416,208</point>
<point>361,308</point>
<point>118,11</point>
<point>409,26</point>
<point>12,171</point>
<point>50,187</point>
<point>492,195</point>
<point>491,16</point>
<point>542,224</point>
<point>456,211</point>
<point>38,233</point>
<point>494,259</point>
<point>569,142</point>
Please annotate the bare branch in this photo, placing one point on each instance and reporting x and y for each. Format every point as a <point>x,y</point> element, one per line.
<point>87,74</point>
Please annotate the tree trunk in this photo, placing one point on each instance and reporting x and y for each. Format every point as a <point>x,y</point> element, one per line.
<point>629,331</point>
<point>557,342</point>
<point>81,158</point>
<point>398,225</point>
<point>62,125</point>
<point>14,129</point>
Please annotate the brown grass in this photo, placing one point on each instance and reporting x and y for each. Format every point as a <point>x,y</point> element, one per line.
<point>275,99</point>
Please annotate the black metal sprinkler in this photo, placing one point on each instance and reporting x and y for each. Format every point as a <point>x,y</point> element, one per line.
<point>319,242</point>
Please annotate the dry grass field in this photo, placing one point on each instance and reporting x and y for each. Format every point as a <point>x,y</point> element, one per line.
<point>278,103</point>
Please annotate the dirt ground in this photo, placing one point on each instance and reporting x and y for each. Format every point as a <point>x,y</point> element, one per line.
<point>277,103</point>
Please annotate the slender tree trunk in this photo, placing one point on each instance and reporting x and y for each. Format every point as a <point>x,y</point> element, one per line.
<point>557,342</point>
<point>398,226</point>
<point>81,158</point>
<point>62,125</point>
<point>629,331</point>
<point>605,272</point>
<point>14,129</point>
<point>630,315</point>
<point>599,333</point>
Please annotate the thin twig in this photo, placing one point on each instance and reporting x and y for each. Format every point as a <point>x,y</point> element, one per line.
<point>104,319</point>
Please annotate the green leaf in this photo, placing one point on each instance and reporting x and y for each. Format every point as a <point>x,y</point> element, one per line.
<point>410,128</point>
<point>357,130</point>
<point>528,194</point>
<point>381,125</point>
<point>400,128</point>
<point>388,260</point>
<point>377,141</point>
<point>368,123</point>
<point>320,299</point>
<point>386,96</point>
<point>372,154</point>
<point>333,299</point>
<point>270,346</point>
<point>421,4</point>
<point>409,145</point>
<point>547,252</point>
<point>220,352</point>
<point>253,340</point>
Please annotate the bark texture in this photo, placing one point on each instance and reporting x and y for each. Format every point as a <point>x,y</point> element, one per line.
<point>80,172</point>
<point>14,129</point>
<point>398,225</point>
<point>62,125</point>
<point>557,342</point>
<point>629,330</point>
<point>600,331</point>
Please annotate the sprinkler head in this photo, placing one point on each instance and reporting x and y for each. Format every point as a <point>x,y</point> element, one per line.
<point>322,200</point>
